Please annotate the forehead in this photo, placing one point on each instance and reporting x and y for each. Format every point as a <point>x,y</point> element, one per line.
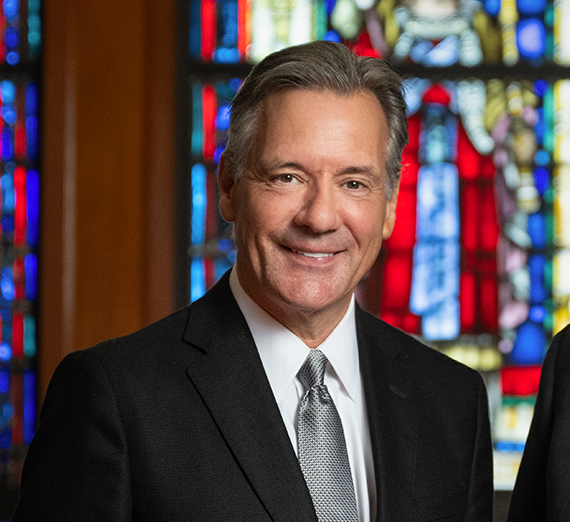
<point>321,121</point>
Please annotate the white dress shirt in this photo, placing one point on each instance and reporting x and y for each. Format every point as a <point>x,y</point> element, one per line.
<point>283,353</point>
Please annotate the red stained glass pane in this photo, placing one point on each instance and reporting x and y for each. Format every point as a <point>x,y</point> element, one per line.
<point>414,125</point>
<point>469,219</point>
<point>243,30</point>
<point>520,380</point>
<point>396,282</point>
<point>489,304</point>
<point>489,223</point>
<point>437,94</point>
<point>209,109</point>
<point>410,168</point>
<point>19,278</point>
<point>404,234</point>
<point>18,335</point>
<point>20,146</point>
<point>488,169</point>
<point>208,29</point>
<point>468,158</point>
<point>20,210</point>
<point>411,323</point>
<point>467,311</point>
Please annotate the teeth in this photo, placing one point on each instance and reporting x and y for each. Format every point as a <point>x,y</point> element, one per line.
<point>312,254</point>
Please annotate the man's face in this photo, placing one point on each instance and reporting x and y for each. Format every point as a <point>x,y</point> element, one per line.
<point>310,210</point>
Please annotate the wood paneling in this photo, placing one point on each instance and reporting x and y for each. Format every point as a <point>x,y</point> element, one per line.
<point>107,208</point>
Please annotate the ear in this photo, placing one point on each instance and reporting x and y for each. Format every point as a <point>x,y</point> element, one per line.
<point>390,217</point>
<point>226,184</point>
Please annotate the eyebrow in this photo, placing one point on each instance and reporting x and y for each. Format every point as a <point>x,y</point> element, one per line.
<point>353,169</point>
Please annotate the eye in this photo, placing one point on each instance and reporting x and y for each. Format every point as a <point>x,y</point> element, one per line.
<point>353,185</point>
<point>285,178</point>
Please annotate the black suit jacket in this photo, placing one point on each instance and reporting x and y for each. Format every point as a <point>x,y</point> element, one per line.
<point>177,422</point>
<point>542,489</point>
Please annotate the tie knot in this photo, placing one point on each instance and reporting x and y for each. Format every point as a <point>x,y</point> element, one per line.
<point>313,370</point>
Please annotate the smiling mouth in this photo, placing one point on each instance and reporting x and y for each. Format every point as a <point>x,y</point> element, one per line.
<point>316,255</point>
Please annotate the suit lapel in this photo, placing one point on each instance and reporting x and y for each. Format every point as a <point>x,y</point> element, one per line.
<point>392,416</point>
<point>227,372</point>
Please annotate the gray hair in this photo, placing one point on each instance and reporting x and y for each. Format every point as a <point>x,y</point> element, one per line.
<point>317,66</point>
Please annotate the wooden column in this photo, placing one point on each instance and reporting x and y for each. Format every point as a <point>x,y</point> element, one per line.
<point>107,204</point>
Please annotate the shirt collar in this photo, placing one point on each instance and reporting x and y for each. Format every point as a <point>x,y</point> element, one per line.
<point>282,352</point>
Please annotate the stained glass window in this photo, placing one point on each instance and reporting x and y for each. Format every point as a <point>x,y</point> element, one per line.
<point>19,220</point>
<point>475,266</point>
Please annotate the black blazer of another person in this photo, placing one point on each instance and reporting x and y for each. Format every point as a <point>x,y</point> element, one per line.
<point>177,422</point>
<point>542,489</point>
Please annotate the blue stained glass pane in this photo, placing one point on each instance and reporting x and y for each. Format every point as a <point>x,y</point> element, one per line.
<point>218,154</point>
<point>4,381</point>
<point>199,201</point>
<point>32,136</point>
<point>531,38</point>
<point>7,144</point>
<point>12,58</point>
<point>195,36</point>
<point>540,88</point>
<point>492,7</point>
<point>235,84</point>
<point>33,206</point>
<point>31,99</point>
<point>12,37</point>
<point>197,279</point>
<point>536,266</point>
<point>531,7</point>
<point>8,90</point>
<point>5,352</point>
<point>329,5</point>
<point>445,53</point>
<point>227,51</point>
<point>332,36</point>
<point>542,158</point>
<point>540,127</point>
<point>5,438</point>
<point>529,344</point>
<point>221,266</point>
<point>7,223</point>
<point>537,314</point>
<point>223,117</point>
<point>541,179</point>
<point>11,8</point>
<point>7,283</point>
<point>29,420</point>
<point>30,336</point>
<point>537,230</point>
<point>31,271</point>
<point>9,114</point>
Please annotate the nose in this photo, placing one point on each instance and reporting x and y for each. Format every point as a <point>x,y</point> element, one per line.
<point>320,209</point>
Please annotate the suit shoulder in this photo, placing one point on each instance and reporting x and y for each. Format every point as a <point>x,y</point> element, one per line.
<point>418,357</point>
<point>154,340</point>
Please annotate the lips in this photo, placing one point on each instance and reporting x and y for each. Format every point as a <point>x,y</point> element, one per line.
<point>316,255</point>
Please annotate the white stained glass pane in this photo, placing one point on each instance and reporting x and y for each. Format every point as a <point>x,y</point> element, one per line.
<point>435,277</point>
<point>562,206</point>
<point>562,120</point>
<point>561,32</point>
<point>438,205</point>
<point>442,323</point>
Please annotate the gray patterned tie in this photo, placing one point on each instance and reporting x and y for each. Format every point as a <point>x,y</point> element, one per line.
<point>322,447</point>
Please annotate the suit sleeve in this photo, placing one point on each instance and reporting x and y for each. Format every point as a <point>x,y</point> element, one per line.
<point>77,464</point>
<point>532,490</point>
<point>480,495</point>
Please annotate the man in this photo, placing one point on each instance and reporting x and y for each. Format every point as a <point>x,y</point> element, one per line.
<point>223,411</point>
<point>542,489</point>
